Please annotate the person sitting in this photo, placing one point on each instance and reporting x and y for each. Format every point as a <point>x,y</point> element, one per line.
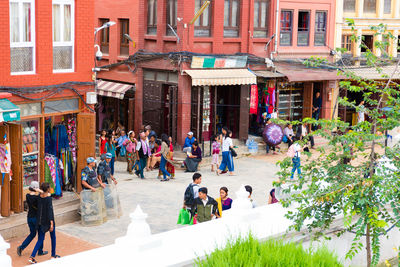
<point>189,140</point>
<point>204,207</point>
<point>104,170</point>
<point>193,159</point>
<point>249,189</point>
<point>90,180</point>
<point>288,132</point>
<point>303,131</point>
<point>272,199</point>
<point>224,202</point>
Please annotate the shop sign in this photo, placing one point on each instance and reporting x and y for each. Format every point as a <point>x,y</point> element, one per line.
<point>201,62</point>
<point>253,99</point>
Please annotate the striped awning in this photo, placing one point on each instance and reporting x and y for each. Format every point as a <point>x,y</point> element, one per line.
<point>112,89</point>
<point>221,77</point>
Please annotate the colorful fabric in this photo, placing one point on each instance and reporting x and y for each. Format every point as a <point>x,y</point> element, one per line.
<point>131,157</point>
<point>216,147</point>
<point>52,167</point>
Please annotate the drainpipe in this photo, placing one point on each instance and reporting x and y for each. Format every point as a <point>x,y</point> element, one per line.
<point>276,30</point>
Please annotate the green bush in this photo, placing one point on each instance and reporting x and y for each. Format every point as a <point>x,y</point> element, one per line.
<point>274,253</point>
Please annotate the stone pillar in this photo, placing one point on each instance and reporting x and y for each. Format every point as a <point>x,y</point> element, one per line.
<point>359,8</point>
<point>5,260</point>
<point>394,41</point>
<point>380,8</point>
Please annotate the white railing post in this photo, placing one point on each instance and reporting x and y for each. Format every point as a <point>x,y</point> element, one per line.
<point>5,260</point>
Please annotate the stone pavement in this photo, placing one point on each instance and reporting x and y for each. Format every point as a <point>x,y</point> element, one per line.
<point>66,245</point>
<point>163,200</point>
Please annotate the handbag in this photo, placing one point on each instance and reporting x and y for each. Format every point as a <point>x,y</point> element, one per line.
<point>184,217</point>
<point>233,152</point>
<point>284,139</point>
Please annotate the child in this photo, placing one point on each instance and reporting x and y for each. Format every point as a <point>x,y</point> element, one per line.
<point>215,152</point>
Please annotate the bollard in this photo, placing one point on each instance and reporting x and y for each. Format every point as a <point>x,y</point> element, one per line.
<point>5,260</point>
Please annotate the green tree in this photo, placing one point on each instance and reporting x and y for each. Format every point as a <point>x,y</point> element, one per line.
<point>365,192</point>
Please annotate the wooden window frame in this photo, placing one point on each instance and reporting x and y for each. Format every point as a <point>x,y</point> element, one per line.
<point>104,36</point>
<point>123,42</point>
<point>230,16</point>
<point>290,31</point>
<point>175,15</point>
<point>347,43</point>
<point>151,25</point>
<point>349,11</point>
<point>200,27</point>
<point>307,27</point>
<point>259,28</point>
<point>319,30</point>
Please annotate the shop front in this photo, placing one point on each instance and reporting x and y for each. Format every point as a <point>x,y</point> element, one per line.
<point>44,147</point>
<point>220,97</point>
<point>116,103</point>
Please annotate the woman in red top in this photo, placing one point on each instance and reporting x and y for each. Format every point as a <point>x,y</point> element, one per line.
<point>103,142</point>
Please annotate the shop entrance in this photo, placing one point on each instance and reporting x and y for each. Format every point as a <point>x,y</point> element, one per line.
<point>348,114</point>
<point>228,109</point>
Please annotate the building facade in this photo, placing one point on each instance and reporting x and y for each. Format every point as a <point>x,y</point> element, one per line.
<point>45,75</point>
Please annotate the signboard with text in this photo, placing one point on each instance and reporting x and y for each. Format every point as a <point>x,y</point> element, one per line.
<point>208,62</point>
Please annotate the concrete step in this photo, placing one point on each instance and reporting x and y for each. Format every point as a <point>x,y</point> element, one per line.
<point>65,211</point>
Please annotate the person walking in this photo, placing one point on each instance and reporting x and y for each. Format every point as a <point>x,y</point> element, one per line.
<point>224,202</point>
<point>216,148</point>
<point>32,200</point>
<point>110,148</point>
<point>45,222</point>
<point>204,207</point>
<point>120,148</point>
<point>142,153</point>
<point>102,142</point>
<point>227,159</point>
<point>164,157</point>
<point>170,157</point>
<point>294,153</point>
<point>130,145</point>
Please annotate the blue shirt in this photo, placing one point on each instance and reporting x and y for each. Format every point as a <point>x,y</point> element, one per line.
<point>189,142</point>
<point>110,149</point>
<point>120,140</point>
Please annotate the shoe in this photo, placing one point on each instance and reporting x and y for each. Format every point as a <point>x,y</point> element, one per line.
<point>56,256</point>
<point>43,253</point>
<point>32,261</point>
<point>19,250</point>
<point>165,180</point>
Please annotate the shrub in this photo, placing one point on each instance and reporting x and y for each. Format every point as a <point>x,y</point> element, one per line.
<point>274,253</point>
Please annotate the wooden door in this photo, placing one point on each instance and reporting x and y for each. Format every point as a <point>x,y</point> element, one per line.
<point>152,105</point>
<point>244,112</point>
<point>173,112</point>
<point>196,112</point>
<point>15,139</point>
<point>5,187</point>
<point>85,143</point>
<point>308,99</point>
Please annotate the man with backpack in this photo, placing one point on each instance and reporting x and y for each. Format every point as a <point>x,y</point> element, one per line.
<point>192,191</point>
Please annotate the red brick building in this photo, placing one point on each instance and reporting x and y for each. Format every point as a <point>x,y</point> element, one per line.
<point>198,79</point>
<point>46,71</point>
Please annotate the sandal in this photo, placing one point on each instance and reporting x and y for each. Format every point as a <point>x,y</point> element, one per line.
<point>32,260</point>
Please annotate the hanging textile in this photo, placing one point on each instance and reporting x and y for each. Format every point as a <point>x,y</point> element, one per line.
<point>52,174</point>
<point>253,99</point>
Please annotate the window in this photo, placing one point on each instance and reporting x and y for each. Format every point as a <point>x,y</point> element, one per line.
<point>202,26</point>
<point>368,43</point>
<point>387,7</point>
<point>370,6</point>
<point>231,18</point>
<point>303,28</point>
<point>123,41</point>
<point>261,15</point>
<point>22,36</point>
<point>152,17</point>
<point>349,6</point>
<point>104,37</point>
<point>286,28</point>
<point>320,28</point>
<point>63,35</point>
<point>347,43</point>
<point>172,9</point>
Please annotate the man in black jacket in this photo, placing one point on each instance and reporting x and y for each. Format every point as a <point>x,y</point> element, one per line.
<point>204,206</point>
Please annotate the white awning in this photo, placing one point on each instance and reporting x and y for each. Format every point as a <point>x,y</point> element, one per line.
<point>221,77</point>
<point>112,89</point>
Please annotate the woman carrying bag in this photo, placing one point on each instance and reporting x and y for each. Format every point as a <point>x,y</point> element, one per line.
<point>227,159</point>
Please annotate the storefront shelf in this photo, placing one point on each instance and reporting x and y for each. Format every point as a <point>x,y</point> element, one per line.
<point>30,154</point>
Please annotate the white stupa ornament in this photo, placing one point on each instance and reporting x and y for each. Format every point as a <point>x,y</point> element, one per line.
<point>242,201</point>
<point>138,228</point>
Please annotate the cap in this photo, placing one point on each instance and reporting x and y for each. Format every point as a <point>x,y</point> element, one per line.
<point>34,185</point>
<point>90,160</point>
<point>190,133</point>
<point>108,156</point>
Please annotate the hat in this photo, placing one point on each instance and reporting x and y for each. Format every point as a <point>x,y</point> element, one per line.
<point>90,160</point>
<point>190,133</point>
<point>108,156</point>
<point>34,185</point>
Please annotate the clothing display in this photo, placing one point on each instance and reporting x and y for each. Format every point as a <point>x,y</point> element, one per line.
<point>30,151</point>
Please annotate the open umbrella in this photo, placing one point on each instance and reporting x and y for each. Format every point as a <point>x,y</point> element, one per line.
<point>273,134</point>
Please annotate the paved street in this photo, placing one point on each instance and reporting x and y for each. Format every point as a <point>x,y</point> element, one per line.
<point>162,200</point>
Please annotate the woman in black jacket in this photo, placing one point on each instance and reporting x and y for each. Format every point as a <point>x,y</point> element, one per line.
<point>45,222</point>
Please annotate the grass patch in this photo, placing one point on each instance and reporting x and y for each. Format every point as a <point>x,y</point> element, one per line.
<point>274,253</point>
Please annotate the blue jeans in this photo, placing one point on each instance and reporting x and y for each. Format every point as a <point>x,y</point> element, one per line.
<point>162,167</point>
<point>142,166</point>
<point>296,166</point>
<point>112,163</point>
<point>227,160</point>
<point>32,234</point>
<point>40,241</point>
